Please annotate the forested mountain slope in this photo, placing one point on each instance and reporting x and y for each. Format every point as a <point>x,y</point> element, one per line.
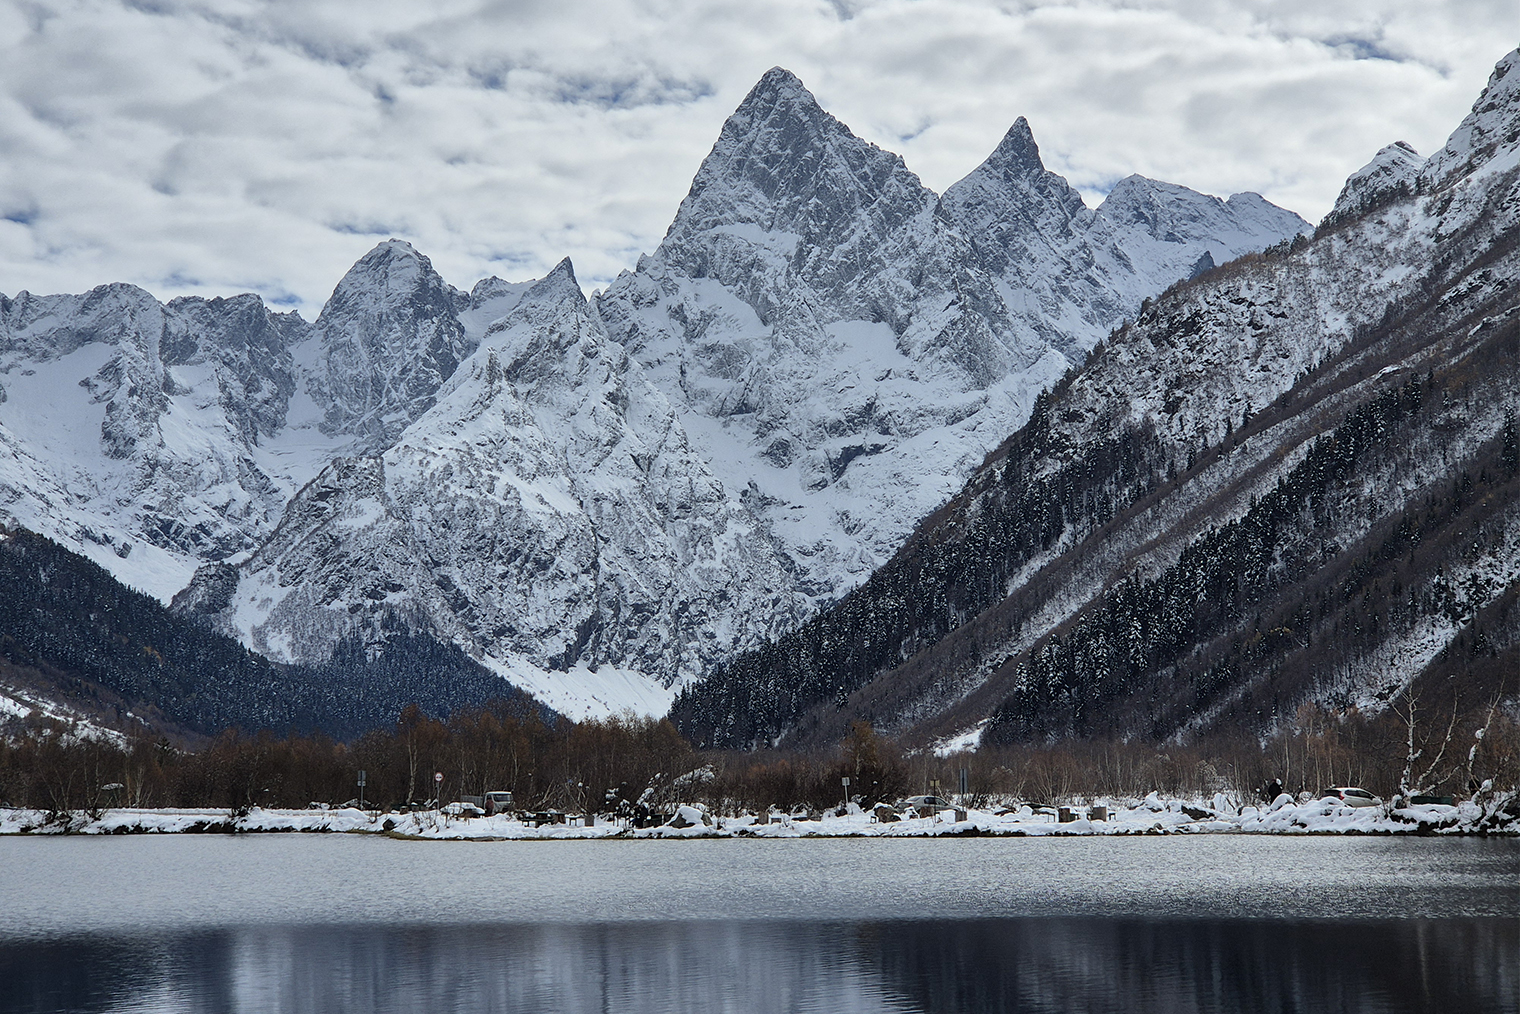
<point>73,635</point>
<point>1291,479</point>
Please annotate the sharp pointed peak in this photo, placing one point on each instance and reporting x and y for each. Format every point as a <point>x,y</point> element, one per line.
<point>1017,151</point>
<point>779,81</point>
<point>559,283</point>
<point>778,76</point>
<point>397,248</point>
<point>777,91</point>
<point>563,271</point>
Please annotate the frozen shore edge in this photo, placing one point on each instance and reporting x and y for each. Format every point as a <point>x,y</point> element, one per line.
<point>1152,816</point>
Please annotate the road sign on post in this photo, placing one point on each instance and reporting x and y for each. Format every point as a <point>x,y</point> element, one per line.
<point>438,789</point>
<point>362,783</point>
<point>845,781</point>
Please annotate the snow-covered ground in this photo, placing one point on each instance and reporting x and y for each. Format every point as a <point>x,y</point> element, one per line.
<point>1152,815</point>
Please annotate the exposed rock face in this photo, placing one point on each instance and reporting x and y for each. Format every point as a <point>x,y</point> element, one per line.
<point>388,337</point>
<point>791,204</point>
<point>547,510</point>
<point>845,347</point>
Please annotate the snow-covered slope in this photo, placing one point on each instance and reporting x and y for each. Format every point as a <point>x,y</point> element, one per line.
<point>131,430</point>
<point>546,513</point>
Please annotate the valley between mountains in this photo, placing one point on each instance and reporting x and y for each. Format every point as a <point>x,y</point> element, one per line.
<point>982,466</point>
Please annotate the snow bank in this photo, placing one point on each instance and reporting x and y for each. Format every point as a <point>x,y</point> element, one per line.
<point>1152,815</point>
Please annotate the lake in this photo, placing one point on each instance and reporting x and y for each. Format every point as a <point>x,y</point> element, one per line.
<point>1226,923</point>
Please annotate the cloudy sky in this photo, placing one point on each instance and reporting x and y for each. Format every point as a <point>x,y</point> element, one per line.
<point>223,146</point>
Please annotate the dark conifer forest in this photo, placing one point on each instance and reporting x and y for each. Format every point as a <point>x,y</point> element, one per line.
<point>70,629</point>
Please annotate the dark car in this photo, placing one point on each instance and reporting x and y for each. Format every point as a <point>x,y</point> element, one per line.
<point>928,803</point>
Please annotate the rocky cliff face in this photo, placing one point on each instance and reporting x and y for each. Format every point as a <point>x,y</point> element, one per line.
<point>388,337</point>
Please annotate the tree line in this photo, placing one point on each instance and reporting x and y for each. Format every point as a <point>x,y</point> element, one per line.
<point>573,766</point>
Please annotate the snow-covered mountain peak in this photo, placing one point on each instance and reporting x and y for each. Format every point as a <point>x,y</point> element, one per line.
<point>388,336</point>
<point>557,287</point>
<point>136,433</point>
<point>843,345</point>
<point>1393,172</point>
<point>393,268</point>
<point>1489,133</point>
<point>789,197</point>
<point>772,155</point>
<point>1166,229</point>
<point>777,89</point>
<point>490,300</point>
<point>490,288</point>
<point>1011,201</point>
<point>1170,213</point>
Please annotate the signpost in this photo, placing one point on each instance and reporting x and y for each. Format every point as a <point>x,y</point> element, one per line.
<point>845,781</point>
<point>362,782</point>
<point>438,789</point>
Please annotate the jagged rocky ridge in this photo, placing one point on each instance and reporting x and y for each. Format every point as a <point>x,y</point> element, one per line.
<point>846,346</point>
<point>547,509</point>
<point>1294,479</point>
<point>597,499</point>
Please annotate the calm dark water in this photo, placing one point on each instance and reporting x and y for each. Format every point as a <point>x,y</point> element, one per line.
<point>1216,924</point>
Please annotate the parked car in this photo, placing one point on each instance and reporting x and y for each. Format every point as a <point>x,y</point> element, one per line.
<point>927,802</point>
<point>1351,796</point>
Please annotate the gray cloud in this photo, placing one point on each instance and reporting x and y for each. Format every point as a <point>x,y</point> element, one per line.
<point>217,146</point>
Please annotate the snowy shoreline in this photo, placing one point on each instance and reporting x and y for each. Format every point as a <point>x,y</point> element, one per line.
<point>1151,816</point>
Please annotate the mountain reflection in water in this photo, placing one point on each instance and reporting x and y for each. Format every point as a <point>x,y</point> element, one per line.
<point>975,965</point>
